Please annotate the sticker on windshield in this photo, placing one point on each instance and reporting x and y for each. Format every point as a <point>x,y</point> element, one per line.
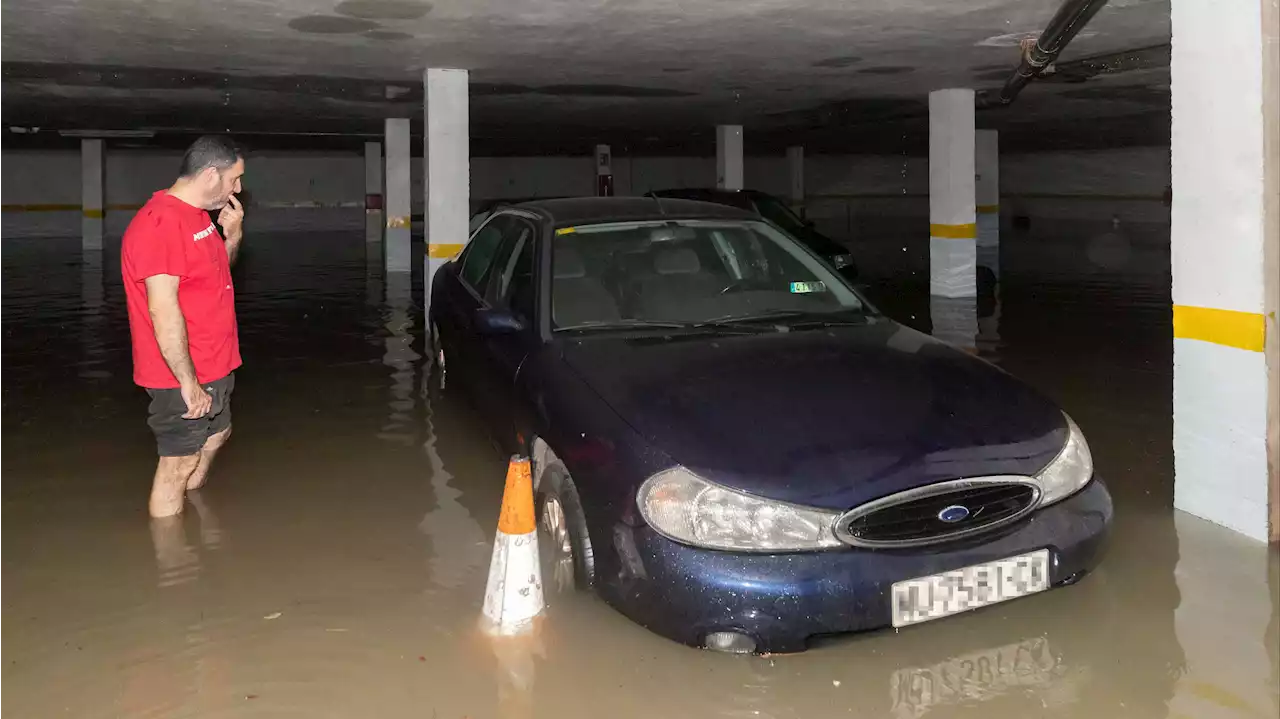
<point>802,288</point>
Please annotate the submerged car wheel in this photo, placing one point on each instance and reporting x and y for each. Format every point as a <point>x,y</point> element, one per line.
<point>563,523</point>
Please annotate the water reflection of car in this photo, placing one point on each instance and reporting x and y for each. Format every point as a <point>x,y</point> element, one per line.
<point>778,212</point>
<point>733,448</point>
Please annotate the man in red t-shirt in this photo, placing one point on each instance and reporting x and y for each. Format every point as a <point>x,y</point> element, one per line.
<point>182,316</point>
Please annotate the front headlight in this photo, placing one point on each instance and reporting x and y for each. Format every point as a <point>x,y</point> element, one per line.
<point>691,510</point>
<point>1069,471</point>
<point>842,261</point>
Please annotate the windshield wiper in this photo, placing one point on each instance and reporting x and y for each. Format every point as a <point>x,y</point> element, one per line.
<point>625,324</point>
<point>808,317</point>
<point>629,324</point>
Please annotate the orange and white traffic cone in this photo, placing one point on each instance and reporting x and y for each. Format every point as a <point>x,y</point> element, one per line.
<point>513,597</point>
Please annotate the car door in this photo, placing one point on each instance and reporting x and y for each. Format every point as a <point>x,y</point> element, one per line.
<point>463,298</point>
<point>509,287</point>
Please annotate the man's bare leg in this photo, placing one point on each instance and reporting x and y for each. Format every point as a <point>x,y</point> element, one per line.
<point>169,488</point>
<point>175,558</point>
<point>207,453</point>
<point>210,532</point>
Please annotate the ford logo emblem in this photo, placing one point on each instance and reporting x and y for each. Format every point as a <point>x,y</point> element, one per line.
<point>954,513</point>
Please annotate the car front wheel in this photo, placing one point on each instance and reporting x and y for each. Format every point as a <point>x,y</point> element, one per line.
<point>564,526</point>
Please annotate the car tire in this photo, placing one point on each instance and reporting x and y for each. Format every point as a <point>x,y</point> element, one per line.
<point>557,495</point>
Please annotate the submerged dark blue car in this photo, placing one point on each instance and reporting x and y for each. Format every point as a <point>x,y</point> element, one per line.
<point>733,448</point>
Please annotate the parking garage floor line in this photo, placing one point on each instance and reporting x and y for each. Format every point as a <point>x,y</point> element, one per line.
<point>336,562</point>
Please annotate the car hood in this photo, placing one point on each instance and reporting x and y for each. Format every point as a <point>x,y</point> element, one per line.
<point>825,417</point>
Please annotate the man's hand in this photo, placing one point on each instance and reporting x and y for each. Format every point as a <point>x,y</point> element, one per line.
<point>198,401</point>
<point>231,217</point>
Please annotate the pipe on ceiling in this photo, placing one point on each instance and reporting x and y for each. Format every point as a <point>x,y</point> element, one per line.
<point>1066,23</point>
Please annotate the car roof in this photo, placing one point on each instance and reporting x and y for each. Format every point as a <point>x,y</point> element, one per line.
<point>584,210</point>
<point>708,192</point>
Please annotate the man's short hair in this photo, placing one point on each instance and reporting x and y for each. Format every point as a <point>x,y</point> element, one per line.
<point>217,151</point>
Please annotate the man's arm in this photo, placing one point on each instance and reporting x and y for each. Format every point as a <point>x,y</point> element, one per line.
<point>171,334</point>
<point>232,220</point>
<point>233,249</point>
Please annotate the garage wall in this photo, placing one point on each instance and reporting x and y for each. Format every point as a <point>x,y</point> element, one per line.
<point>1082,212</point>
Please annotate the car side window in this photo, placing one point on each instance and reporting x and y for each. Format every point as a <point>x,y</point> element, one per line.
<point>497,280</point>
<point>481,249</point>
<point>519,289</point>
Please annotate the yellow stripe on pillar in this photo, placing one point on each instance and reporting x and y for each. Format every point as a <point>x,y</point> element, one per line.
<point>1242,330</point>
<point>988,209</point>
<point>95,214</point>
<point>443,252</point>
<point>954,232</point>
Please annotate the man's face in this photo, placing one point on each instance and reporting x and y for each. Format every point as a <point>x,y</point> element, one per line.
<point>222,184</point>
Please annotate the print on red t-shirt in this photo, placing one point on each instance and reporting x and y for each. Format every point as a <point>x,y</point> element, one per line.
<point>170,237</point>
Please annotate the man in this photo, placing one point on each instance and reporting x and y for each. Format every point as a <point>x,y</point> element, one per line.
<point>186,348</point>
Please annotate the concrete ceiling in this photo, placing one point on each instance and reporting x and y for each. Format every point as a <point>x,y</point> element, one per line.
<point>837,72</point>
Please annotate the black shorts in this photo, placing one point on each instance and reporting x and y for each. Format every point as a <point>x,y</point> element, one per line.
<point>179,437</point>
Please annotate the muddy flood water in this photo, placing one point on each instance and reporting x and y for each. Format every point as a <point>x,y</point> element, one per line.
<point>334,566</point>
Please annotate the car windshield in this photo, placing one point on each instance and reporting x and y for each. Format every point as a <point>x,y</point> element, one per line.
<point>679,273</point>
<point>777,212</point>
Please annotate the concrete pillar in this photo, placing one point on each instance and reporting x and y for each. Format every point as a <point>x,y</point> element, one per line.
<point>604,171</point>
<point>93,209</point>
<point>1224,245</point>
<point>729,157</point>
<point>987,192</point>
<point>399,207</point>
<point>447,179</point>
<point>952,221</point>
<point>795,169</point>
<point>373,191</point>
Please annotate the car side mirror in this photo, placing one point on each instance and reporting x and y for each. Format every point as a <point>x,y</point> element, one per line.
<point>497,322</point>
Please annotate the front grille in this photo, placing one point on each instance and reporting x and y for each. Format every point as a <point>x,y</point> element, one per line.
<point>920,516</point>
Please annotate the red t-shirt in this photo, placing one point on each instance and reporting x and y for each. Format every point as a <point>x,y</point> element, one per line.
<point>170,237</point>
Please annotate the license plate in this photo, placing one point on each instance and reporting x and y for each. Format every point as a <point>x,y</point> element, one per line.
<point>960,590</point>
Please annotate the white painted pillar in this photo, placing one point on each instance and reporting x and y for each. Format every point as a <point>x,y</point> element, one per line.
<point>952,221</point>
<point>729,157</point>
<point>987,192</point>
<point>399,206</point>
<point>795,169</point>
<point>447,179</point>
<point>1224,236</point>
<point>604,171</point>
<point>953,250</point>
<point>373,202</point>
<point>92,205</point>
